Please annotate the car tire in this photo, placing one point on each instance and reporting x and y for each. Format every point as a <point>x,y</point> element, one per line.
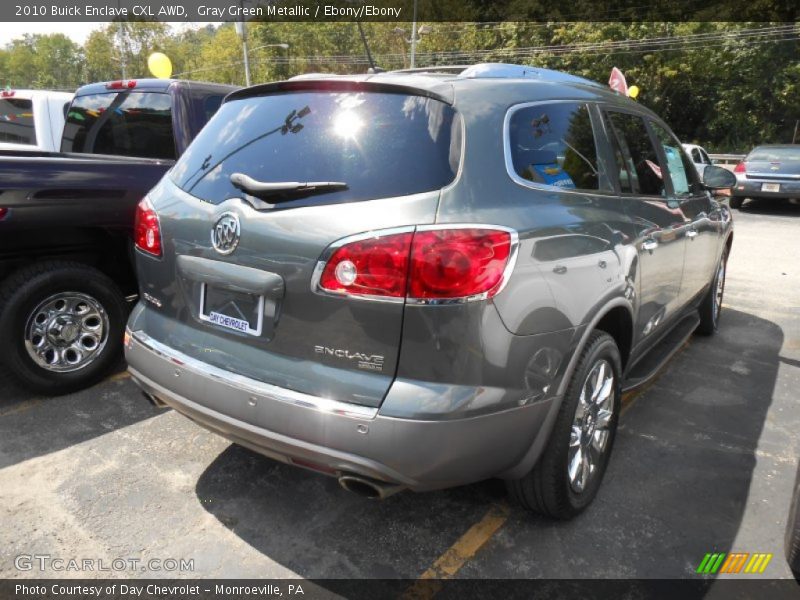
<point>61,325</point>
<point>736,202</point>
<point>711,306</point>
<point>554,487</point>
<point>792,541</point>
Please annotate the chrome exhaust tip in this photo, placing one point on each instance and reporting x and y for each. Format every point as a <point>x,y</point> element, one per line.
<point>368,488</point>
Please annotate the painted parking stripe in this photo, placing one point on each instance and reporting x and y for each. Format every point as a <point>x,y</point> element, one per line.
<point>457,555</point>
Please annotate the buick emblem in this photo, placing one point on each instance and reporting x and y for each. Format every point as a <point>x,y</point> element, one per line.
<point>225,233</point>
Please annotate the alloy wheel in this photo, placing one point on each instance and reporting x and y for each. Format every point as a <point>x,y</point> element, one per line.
<point>590,428</point>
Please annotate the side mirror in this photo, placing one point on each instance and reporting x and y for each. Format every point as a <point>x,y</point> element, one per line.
<point>717,178</point>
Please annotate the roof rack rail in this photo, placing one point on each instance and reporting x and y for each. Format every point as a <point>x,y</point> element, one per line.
<point>434,69</point>
<point>511,71</point>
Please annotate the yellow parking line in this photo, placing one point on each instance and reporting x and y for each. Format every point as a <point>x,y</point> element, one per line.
<point>21,408</point>
<point>457,555</point>
<point>119,376</point>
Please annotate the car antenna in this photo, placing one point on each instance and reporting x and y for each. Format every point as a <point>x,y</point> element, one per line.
<point>372,67</point>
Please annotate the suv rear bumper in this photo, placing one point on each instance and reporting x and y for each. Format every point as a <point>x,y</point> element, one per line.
<point>334,437</point>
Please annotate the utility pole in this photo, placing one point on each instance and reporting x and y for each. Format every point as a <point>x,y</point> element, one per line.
<point>414,37</point>
<point>241,29</point>
<point>122,44</point>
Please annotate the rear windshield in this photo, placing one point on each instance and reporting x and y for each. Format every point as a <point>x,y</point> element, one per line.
<point>126,124</point>
<point>16,121</point>
<point>775,154</point>
<point>379,144</point>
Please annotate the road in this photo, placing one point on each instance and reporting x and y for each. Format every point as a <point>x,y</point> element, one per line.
<point>705,461</point>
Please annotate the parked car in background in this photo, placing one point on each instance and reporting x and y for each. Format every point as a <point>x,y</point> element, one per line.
<point>32,119</point>
<point>699,157</point>
<point>411,280</point>
<point>768,172</point>
<point>66,221</point>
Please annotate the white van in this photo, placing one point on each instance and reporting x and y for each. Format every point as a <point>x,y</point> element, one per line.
<point>32,119</point>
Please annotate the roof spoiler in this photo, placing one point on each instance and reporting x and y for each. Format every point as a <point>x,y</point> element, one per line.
<point>442,92</point>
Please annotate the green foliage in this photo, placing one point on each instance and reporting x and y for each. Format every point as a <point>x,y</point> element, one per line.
<point>727,92</point>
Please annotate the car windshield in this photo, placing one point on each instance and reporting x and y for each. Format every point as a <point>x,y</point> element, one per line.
<point>775,154</point>
<point>380,145</point>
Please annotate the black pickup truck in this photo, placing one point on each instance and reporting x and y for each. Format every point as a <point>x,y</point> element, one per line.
<point>66,220</point>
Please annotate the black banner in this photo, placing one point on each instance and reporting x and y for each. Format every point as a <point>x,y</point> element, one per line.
<point>370,589</point>
<point>397,10</point>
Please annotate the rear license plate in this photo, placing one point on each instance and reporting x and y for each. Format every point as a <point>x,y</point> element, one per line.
<point>770,187</point>
<point>238,311</point>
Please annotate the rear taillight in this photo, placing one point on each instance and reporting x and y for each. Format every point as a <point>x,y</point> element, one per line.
<point>3,213</point>
<point>375,266</point>
<point>146,230</point>
<point>430,265</point>
<point>739,168</point>
<point>458,263</point>
<point>121,84</point>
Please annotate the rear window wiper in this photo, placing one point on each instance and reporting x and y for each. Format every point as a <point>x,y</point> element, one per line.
<point>278,191</point>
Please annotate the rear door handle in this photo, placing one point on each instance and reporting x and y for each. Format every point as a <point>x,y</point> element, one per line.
<point>649,245</point>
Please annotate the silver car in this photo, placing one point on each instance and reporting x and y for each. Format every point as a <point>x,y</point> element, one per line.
<point>421,280</point>
<point>768,172</point>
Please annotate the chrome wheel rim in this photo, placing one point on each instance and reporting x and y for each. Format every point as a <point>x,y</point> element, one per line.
<point>66,332</point>
<point>591,426</point>
<point>720,288</point>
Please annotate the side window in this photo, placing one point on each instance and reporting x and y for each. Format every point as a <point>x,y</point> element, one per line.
<point>211,105</point>
<point>16,121</point>
<point>554,145</point>
<point>706,159</point>
<point>636,158</point>
<point>681,170</point>
<point>696,156</point>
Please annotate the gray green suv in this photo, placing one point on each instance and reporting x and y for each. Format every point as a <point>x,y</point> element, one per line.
<point>424,279</point>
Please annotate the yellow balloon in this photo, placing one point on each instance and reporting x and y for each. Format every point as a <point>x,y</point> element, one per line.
<point>160,65</point>
<point>633,91</point>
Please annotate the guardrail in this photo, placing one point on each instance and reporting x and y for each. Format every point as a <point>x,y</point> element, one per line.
<point>726,159</point>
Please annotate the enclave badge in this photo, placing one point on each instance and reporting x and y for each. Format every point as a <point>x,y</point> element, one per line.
<point>225,233</point>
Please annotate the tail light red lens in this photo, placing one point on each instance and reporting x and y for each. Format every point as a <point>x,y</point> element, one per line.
<point>739,168</point>
<point>3,212</point>
<point>458,263</point>
<point>372,267</point>
<point>146,229</point>
<point>429,265</point>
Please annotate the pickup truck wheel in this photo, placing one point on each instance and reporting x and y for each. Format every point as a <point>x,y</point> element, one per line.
<point>61,324</point>
<point>569,472</point>
<point>711,305</point>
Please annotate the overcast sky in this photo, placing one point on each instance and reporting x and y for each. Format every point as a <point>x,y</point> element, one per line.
<point>78,32</point>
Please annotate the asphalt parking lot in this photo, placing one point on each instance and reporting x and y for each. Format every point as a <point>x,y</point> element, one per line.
<point>705,461</point>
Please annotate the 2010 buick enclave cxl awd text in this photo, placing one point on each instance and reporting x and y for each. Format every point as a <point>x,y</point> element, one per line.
<point>420,280</point>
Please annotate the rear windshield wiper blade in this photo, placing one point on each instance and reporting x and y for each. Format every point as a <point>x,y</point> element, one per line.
<point>278,191</point>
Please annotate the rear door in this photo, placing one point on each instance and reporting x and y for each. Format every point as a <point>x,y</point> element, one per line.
<point>660,224</point>
<point>236,282</point>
